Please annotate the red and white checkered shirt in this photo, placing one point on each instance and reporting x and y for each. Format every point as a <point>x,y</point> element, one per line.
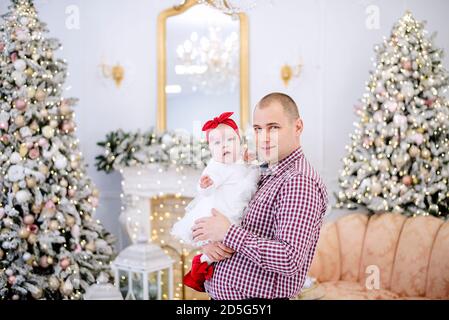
<point>276,241</point>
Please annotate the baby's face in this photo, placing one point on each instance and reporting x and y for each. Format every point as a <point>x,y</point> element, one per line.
<point>224,144</point>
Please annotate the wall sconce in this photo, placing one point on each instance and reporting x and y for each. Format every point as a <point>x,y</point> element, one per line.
<point>289,72</point>
<point>116,72</point>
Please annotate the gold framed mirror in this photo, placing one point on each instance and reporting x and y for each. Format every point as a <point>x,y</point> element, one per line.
<point>202,66</point>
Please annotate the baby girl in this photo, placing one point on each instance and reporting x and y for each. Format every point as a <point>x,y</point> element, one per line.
<point>226,184</point>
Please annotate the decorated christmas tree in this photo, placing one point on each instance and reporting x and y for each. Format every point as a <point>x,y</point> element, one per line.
<point>51,247</point>
<point>399,157</point>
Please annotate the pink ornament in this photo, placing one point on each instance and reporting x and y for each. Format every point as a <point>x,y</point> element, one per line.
<point>50,205</point>
<point>28,219</point>
<point>66,126</point>
<point>429,102</point>
<point>4,125</point>
<point>78,248</point>
<point>20,104</point>
<point>407,65</point>
<point>34,153</point>
<point>64,263</point>
<point>13,56</point>
<point>407,180</point>
<point>2,46</point>
<point>12,280</point>
<point>4,138</point>
<point>42,142</point>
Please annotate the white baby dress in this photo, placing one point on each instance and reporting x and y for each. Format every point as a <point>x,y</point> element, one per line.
<point>233,187</point>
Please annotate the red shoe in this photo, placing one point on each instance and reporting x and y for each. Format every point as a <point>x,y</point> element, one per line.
<point>201,271</point>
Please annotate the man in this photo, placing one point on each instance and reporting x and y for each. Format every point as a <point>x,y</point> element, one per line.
<point>269,254</point>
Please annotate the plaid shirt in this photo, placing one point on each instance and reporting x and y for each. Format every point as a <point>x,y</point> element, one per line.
<point>276,241</point>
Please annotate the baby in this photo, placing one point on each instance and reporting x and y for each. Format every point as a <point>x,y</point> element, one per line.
<point>226,184</point>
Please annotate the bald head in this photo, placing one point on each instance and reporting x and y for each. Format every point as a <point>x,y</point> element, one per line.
<point>287,103</point>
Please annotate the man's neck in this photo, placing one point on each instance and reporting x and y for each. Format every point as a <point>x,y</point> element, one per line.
<point>272,164</point>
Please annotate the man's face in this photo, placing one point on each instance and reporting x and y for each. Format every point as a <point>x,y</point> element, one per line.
<point>224,144</point>
<point>276,135</point>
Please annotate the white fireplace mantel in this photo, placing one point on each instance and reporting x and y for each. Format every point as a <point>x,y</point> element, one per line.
<point>140,184</point>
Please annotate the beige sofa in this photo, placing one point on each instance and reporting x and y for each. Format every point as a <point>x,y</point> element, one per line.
<point>409,257</point>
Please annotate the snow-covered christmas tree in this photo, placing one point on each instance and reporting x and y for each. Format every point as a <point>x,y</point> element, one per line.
<point>399,157</point>
<point>51,247</point>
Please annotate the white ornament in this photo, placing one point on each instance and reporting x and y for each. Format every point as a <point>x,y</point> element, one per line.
<point>20,65</point>
<point>408,89</point>
<point>16,173</point>
<point>23,196</point>
<point>15,158</point>
<point>25,132</point>
<point>60,162</point>
<point>18,77</point>
<point>48,132</point>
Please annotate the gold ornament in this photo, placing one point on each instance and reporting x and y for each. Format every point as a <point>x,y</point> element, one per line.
<point>43,169</point>
<point>36,209</point>
<point>70,221</point>
<point>90,246</point>
<point>53,283</point>
<point>40,95</point>
<point>32,238</point>
<point>413,151</point>
<point>15,187</point>
<point>420,130</point>
<point>2,253</point>
<point>50,260</point>
<point>74,164</point>
<point>425,153</point>
<point>23,150</point>
<point>54,225</point>
<point>31,92</point>
<point>29,72</point>
<point>415,180</point>
<point>24,233</point>
<point>19,121</point>
<point>37,294</point>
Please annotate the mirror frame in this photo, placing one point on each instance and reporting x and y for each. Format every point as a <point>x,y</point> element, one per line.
<point>161,118</point>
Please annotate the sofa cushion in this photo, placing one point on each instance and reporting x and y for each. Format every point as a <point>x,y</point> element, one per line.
<point>413,255</point>
<point>350,290</point>
<point>381,240</point>
<point>438,274</point>
<point>351,232</point>
<point>326,262</point>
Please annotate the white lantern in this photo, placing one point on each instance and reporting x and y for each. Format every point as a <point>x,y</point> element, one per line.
<point>103,290</point>
<point>143,258</point>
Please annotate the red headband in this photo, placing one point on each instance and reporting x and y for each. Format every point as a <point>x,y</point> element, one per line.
<point>223,118</point>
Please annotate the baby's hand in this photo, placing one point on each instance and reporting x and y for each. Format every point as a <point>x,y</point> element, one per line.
<point>248,156</point>
<point>206,182</point>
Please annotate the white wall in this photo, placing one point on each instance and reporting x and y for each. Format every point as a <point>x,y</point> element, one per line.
<point>331,36</point>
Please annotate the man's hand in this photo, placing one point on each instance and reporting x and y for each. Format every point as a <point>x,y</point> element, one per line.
<point>217,251</point>
<point>205,182</point>
<point>211,228</point>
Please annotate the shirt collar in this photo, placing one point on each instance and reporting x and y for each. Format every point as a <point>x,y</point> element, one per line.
<point>282,165</point>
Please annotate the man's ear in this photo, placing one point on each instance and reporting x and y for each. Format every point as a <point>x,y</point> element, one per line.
<point>299,126</point>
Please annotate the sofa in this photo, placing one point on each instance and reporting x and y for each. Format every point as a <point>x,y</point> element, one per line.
<point>383,256</point>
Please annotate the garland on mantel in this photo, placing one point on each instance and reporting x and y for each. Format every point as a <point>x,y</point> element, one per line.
<point>171,148</point>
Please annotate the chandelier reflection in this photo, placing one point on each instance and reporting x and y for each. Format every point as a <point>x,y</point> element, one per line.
<point>210,63</point>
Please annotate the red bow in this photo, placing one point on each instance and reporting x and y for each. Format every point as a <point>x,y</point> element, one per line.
<point>223,118</point>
